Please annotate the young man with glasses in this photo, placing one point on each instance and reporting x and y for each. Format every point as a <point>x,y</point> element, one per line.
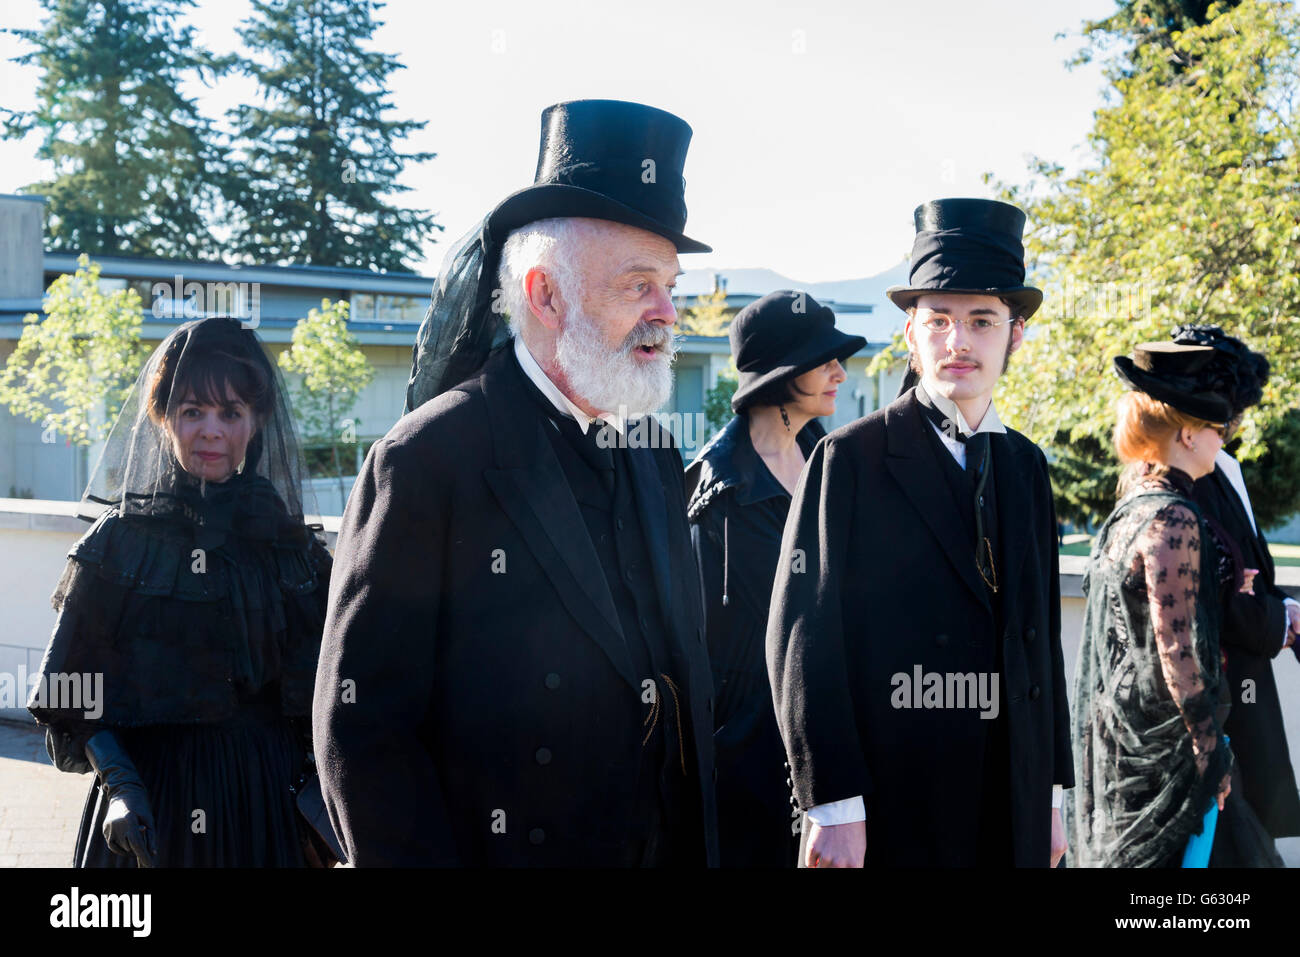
<point>914,637</point>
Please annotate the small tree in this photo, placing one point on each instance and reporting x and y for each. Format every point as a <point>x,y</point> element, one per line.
<point>72,370</point>
<point>710,315</point>
<point>334,370</point>
<point>717,400</point>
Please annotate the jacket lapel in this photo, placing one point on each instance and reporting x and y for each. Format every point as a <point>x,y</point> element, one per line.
<point>1233,517</point>
<point>647,487</point>
<point>1011,472</point>
<point>912,463</point>
<point>532,490</point>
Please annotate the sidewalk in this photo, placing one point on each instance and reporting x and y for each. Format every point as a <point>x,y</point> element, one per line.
<point>40,807</point>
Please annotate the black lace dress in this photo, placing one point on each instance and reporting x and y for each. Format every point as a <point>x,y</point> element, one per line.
<point>205,627</point>
<point>1149,699</point>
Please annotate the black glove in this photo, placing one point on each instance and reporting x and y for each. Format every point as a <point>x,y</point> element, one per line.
<point>128,825</point>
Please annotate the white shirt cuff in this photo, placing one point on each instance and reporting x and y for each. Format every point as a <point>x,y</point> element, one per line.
<point>1058,795</point>
<point>1286,626</point>
<point>849,811</point>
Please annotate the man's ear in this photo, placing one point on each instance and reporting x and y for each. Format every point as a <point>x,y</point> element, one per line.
<point>544,297</point>
<point>1017,333</point>
<point>909,334</point>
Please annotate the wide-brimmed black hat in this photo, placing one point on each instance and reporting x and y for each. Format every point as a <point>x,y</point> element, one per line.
<point>607,159</point>
<point>1190,378</point>
<point>781,336</point>
<point>971,246</point>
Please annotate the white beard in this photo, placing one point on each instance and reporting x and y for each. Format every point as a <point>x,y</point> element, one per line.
<point>615,381</point>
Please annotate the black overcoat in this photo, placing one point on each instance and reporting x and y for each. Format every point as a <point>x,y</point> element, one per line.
<point>1254,628</point>
<point>877,576</point>
<point>476,703</point>
<point>737,510</point>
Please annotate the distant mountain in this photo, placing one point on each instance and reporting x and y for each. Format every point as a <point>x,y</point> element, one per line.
<point>878,325</point>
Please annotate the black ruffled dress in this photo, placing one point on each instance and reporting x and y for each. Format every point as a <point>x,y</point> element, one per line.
<point>205,627</point>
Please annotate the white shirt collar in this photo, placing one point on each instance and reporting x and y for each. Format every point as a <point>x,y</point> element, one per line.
<point>1232,469</point>
<point>990,422</point>
<point>557,398</point>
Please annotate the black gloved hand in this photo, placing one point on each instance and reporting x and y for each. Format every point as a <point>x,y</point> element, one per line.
<point>128,825</point>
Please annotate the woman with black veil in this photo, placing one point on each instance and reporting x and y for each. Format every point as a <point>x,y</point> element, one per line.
<point>196,602</point>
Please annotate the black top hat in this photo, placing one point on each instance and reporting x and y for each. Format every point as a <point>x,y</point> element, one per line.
<point>781,336</point>
<point>606,159</point>
<point>968,246</point>
<point>1189,378</point>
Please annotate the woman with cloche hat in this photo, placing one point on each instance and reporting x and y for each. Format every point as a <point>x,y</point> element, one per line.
<point>790,357</point>
<point>1150,699</point>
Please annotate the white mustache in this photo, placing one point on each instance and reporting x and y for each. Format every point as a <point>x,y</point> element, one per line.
<point>648,334</point>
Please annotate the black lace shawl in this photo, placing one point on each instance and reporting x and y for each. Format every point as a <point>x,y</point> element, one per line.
<point>1149,748</point>
<point>186,616</point>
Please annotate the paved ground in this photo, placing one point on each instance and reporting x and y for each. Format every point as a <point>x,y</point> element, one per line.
<point>40,807</point>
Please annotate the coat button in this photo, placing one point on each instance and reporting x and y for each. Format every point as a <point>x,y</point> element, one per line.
<point>1030,634</point>
<point>543,756</point>
<point>941,641</point>
<point>536,836</point>
<point>1034,693</point>
<point>552,681</point>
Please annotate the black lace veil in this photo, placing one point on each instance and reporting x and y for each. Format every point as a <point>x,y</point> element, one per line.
<point>139,470</point>
<point>465,320</point>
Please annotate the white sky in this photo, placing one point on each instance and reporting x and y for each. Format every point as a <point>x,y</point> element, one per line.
<point>819,126</point>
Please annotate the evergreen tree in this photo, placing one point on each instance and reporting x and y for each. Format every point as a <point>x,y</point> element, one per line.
<point>320,156</point>
<point>135,171</point>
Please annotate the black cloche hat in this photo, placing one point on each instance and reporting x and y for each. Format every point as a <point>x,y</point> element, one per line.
<point>968,246</point>
<point>782,336</point>
<point>607,159</point>
<point>1190,378</point>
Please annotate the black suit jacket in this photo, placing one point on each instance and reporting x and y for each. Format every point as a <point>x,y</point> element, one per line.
<point>476,702</point>
<point>1254,628</point>
<point>889,583</point>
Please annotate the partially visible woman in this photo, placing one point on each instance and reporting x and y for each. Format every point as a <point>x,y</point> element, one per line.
<point>1150,700</point>
<point>1257,625</point>
<point>789,355</point>
<point>195,603</point>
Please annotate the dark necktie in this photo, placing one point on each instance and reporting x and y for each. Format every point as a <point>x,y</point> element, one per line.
<point>977,472</point>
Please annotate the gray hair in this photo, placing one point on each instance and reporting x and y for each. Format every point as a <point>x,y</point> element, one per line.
<point>549,244</point>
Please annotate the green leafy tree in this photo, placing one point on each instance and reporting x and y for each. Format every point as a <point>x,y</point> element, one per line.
<point>334,371</point>
<point>72,370</point>
<point>135,168</point>
<point>1187,211</point>
<point>319,155</point>
<point>710,316</point>
<point>717,399</point>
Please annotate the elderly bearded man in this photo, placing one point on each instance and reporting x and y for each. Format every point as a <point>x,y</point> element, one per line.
<point>914,635</point>
<point>514,669</point>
